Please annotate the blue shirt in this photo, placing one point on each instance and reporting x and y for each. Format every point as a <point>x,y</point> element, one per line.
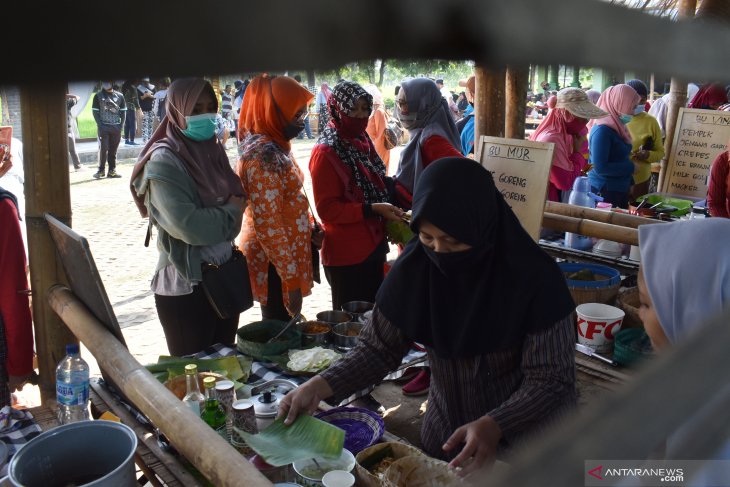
<point>467,133</point>
<point>612,168</point>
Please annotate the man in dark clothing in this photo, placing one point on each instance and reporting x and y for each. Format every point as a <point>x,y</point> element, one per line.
<point>129,90</point>
<point>109,109</point>
<point>73,156</point>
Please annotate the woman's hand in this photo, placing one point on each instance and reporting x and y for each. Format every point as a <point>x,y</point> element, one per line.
<point>304,399</point>
<point>6,162</point>
<point>387,211</point>
<point>317,237</point>
<point>480,438</point>
<point>641,155</point>
<point>239,201</point>
<point>295,302</point>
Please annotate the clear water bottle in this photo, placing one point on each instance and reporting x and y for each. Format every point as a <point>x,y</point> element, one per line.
<point>193,398</point>
<point>72,387</point>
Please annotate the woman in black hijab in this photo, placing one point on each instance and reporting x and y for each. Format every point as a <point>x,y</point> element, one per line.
<point>492,310</point>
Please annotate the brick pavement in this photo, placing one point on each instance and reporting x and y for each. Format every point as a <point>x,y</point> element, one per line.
<point>103,212</point>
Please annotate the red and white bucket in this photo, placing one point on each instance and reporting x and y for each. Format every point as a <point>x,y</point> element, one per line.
<point>598,325</point>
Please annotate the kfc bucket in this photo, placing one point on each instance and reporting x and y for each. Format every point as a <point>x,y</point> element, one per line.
<point>598,325</point>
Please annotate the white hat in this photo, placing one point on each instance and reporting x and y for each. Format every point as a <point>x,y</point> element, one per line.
<point>576,102</point>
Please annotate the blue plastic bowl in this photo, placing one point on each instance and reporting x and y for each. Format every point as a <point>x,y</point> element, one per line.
<point>612,277</point>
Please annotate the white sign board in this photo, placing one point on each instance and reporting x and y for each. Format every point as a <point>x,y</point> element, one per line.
<point>520,169</point>
<point>700,136</point>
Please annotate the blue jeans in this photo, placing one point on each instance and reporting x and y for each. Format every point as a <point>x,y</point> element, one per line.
<point>307,130</point>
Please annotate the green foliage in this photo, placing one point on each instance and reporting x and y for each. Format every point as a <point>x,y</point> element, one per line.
<point>86,122</point>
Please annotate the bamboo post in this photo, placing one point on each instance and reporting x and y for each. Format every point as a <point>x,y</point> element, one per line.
<point>677,99</point>
<point>615,218</point>
<point>45,163</point>
<point>515,104</point>
<point>590,228</point>
<point>195,440</point>
<point>489,102</point>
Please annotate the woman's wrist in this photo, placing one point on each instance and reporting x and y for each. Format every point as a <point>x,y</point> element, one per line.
<point>367,210</point>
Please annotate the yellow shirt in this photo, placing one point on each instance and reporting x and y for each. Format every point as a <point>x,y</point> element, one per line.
<point>643,126</point>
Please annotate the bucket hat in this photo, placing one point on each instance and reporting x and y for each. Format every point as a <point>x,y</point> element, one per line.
<point>576,102</point>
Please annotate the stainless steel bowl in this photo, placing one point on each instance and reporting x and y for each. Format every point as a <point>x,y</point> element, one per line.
<point>333,316</point>
<point>342,340</point>
<point>356,308</point>
<point>314,339</point>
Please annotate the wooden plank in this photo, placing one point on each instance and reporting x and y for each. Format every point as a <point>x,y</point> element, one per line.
<point>45,163</point>
<point>516,104</point>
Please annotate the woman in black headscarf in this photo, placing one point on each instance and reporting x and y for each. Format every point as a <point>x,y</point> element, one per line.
<point>492,310</point>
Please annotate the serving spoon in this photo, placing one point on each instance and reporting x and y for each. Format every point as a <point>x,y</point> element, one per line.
<point>296,318</point>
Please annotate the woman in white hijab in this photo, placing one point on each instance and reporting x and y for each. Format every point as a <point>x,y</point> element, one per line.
<point>679,290</point>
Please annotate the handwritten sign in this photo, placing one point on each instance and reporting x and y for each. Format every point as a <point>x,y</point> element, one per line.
<point>700,136</point>
<point>520,169</point>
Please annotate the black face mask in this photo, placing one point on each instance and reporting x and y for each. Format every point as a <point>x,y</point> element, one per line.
<point>450,263</point>
<point>291,130</point>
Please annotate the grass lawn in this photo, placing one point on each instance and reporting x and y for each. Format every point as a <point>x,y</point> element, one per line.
<point>85,120</point>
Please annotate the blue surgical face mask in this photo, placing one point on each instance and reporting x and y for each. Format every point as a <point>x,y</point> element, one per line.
<point>200,127</point>
<point>625,118</point>
<point>639,109</point>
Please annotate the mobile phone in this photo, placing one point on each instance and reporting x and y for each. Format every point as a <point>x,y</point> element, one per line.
<point>6,136</point>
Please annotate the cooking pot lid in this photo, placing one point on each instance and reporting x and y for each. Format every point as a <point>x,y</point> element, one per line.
<point>266,404</point>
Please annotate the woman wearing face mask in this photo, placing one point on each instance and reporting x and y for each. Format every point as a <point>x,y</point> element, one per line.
<point>433,134</point>
<point>348,179</point>
<point>565,126</point>
<point>184,182</point>
<point>277,233</point>
<point>710,97</point>
<point>453,289</point>
<point>610,145</point>
<point>647,147</point>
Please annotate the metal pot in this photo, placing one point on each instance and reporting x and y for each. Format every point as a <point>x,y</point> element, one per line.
<point>344,342</point>
<point>315,339</point>
<point>266,398</point>
<point>356,308</point>
<point>333,316</point>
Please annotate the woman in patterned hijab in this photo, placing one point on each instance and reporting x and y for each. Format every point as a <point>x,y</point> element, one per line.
<point>348,179</point>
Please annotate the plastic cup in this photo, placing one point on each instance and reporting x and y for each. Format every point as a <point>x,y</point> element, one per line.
<point>598,325</point>
<point>338,478</point>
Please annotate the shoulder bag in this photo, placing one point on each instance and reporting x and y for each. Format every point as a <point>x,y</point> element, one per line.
<point>393,131</point>
<point>227,286</point>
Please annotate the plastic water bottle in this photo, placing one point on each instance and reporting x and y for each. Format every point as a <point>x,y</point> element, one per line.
<point>72,387</point>
<point>581,196</point>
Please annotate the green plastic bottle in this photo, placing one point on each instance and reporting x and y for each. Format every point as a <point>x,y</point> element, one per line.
<point>212,414</point>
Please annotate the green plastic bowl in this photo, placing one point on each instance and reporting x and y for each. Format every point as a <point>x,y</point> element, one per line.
<point>251,339</point>
<point>683,206</point>
<point>631,346</point>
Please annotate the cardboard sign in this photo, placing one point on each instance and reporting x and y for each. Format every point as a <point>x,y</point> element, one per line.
<point>520,169</point>
<point>700,136</point>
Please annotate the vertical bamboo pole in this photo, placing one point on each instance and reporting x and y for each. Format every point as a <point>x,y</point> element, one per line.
<point>516,86</point>
<point>677,98</point>
<point>488,102</point>
<point>45,162</point>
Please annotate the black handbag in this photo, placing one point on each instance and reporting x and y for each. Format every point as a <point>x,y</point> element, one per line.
<point>227,286</point>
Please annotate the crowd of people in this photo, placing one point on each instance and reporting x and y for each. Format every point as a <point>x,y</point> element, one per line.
<point>453,285</point>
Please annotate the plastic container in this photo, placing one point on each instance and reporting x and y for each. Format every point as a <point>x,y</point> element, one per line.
<point>581,196</point>
<point>309,475</point>
<point>632,346</point>
<point>598,325</point>
<point>72,387</point>
<point>603,290</point>
<point>88,453</point>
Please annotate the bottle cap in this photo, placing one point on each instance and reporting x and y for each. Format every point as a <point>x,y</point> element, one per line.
<point>209,382</point>
<point>191,369</point>
<point>72,348</point>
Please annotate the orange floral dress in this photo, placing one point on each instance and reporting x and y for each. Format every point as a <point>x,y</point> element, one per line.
<point>276,226</point>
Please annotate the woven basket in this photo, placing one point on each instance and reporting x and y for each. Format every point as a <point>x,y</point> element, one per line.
<point>422,471</point>
<point>603,291</point>
<point>631,346</point>
<point>363,476</point>
<point>628,301</point>
<point>363,427</point>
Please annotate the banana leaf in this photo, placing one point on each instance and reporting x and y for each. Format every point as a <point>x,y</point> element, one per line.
<point>236,368</point>
<point>307,437</point>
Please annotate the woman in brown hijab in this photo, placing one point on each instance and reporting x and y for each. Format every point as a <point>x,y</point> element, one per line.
<point>184,182</point>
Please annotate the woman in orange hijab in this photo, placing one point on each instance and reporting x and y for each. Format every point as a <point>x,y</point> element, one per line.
<point>276,232</point>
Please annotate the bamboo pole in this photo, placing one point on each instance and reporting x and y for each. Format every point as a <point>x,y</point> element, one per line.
<point>45,164</point>
<point>677,99</point>
<point>488,102</point>
<point>590,228</point>
<point>515,104</point>
<point>195,440</point>
<point>615,218</point>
